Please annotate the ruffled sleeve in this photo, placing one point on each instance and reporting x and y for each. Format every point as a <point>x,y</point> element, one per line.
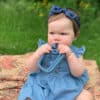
<point>40,42</point>
<point>78,51</point>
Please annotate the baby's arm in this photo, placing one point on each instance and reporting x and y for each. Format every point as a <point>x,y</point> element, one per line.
<point>34,57</point>
<point>76,64</point>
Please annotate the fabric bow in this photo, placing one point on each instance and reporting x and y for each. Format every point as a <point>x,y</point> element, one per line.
<point>70,14</point>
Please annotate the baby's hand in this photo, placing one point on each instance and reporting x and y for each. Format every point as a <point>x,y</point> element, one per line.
<point>46,48</point>
<point>64,49</point>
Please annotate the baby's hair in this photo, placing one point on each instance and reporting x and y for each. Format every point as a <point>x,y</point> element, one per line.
<point>62,15</point>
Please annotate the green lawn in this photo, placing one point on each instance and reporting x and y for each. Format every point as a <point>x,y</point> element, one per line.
<point>21,28</point>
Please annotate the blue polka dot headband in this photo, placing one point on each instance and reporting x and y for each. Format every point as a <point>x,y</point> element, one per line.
<point>69,13</point>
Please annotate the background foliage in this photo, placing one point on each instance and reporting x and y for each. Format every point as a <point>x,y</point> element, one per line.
<point>23,22</point>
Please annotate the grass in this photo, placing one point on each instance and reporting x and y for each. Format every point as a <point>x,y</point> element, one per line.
<point>90,37</point>
<point>20,29</point>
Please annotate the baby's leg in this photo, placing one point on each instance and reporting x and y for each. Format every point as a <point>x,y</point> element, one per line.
<point>85,95</point>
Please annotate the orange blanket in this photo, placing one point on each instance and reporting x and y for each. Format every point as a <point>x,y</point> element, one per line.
<point>14,72</point>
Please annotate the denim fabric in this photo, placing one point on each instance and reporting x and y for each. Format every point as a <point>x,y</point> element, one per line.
<point>69,13</point>
<point>54,81</point>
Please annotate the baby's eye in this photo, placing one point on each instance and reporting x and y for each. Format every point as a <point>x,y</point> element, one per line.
<point>63,33</point>
<point>52,33</point>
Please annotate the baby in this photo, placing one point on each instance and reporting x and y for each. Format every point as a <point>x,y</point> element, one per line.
<point>58,71</point>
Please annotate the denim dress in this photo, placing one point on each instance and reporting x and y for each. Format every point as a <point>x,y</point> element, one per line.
<point>53,80</point>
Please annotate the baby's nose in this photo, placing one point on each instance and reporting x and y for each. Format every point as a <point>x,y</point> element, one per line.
<point>56,37</point>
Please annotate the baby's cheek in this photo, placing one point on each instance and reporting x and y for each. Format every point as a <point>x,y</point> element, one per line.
<point>68,43</point>
<point>50,41</point>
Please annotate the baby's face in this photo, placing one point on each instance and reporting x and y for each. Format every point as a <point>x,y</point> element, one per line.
<point>61,31</point>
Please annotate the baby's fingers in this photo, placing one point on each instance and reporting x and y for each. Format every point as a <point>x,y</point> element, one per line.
<point>48,48</point>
